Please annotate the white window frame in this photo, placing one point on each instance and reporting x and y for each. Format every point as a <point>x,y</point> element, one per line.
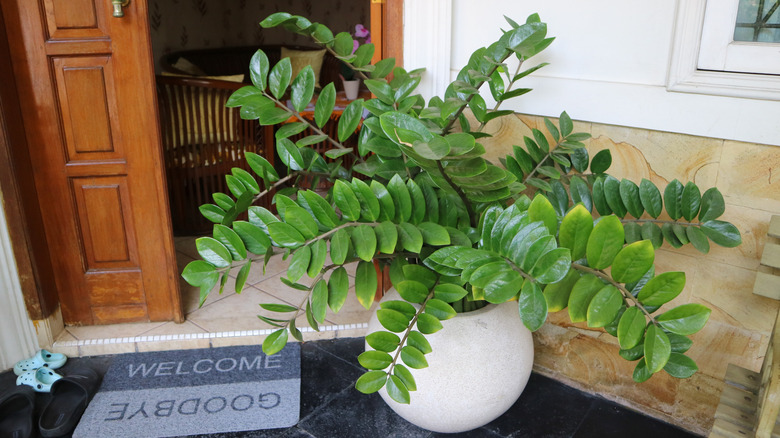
<point>685,73</point>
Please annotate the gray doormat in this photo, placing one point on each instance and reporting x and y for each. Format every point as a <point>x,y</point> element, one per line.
<point>188,392</point>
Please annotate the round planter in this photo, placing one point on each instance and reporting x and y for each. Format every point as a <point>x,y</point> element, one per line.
<point>479,366</point>
<point>351,88</point>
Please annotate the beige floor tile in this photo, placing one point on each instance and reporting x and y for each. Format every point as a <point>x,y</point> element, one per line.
<point>234,341</point>
<point>112,330</point>
<point>274,286</point>
<point>275,266</point>
<point>103,349</point>
<point>178,344</point>
<point>61,344</point>
<point>191,295</point>
<point>172,328</point>
<point>186,245</point>
<point>351,333</point>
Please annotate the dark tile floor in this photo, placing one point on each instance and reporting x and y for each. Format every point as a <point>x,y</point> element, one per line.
<point>332,408</point>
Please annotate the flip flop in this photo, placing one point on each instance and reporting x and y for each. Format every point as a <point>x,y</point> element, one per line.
<point>69,399</point>
<point>40,379</point>
<point>16,413</point>
<point>43,358</point>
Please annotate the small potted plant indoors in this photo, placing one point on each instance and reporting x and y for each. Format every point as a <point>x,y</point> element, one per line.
<point>545,229</point>
<point>349,78</point>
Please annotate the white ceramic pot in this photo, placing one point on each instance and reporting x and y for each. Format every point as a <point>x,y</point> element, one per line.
<point>479,366</point>
<point>351,88</point>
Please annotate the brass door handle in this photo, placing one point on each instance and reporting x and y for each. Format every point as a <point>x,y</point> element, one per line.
<point>118,5</point>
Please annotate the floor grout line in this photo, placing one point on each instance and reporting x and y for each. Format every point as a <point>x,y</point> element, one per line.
<point>194,336</point>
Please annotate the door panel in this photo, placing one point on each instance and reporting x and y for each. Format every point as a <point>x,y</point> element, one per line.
<point>86,85</point>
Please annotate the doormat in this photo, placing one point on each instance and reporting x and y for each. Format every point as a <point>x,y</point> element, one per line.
<point>188,392</point>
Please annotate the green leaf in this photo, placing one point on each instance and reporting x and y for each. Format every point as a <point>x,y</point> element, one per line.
<point>418,341</point>
<point>274,342</point>
<point>279,308</point>
<point>449,293</point>
<point>364,242</point>
<point>604,306</point>
<point>231,240</point>
<point>401,199</point>
<point>557,294</point>
<point>502,286</point>
<point>657,349</point>
<point>581,295</point>
<point>214,252</point>
<point>580,192</point>
<point>255,240</point>
<point>382,90</point>
<point>652,232</point>
<point>685,320</point>
<point>319,301</point>
<point>605,242</point>
<point>601,161</point>
<point>412,291</point>
<point>374,360</point>
<point>680,366</point>
<point>397,390</point>
<point>383,341</point>
<point>532,306</point>
<point>600,198</point>
<point>383,68</point>
<point>299,263</point>
<point>629,194</point>
<point>371,382</point>
<point>280,77</point>
<point>575,230</point>
<point>552,266</point>
<point>633,261</point>
<point>434,234</point>
<point>542,210</point>
<point>338,288</point>
<point>301,220</point>
<point>698,239</point>
<point>566,124</point>
<point>722,233</point>
<point>346,200</point>
<point>631,328</point>
<point>641,372</point>
<point>413,357</point>
<point>662,288</point>
<point>392,320</point>
<point>303,88</point>
<point>387,206</point>
<point>319,208</point>
<point>406,377</point>
<point>343,44</point>
<point>326,101</point>
<point>691,201</point>
<point>199,272</point>
<point>319,252</point>
<point>680,344</point>
<point>612,193</point>
<point>712,205</point>
<point>369,204</point>
<point>411,238</point>
<point>339,246</point>
<point>350,119</point>
<point>651,198</point>
<point>426,324</point>
<point>365,283</point>
<point>673,199</point>
<point>289,154</point>
<point>258,69</point>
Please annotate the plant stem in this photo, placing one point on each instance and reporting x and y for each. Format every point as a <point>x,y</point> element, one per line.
<point>626,294</point>
<point>409,329</point>
<point>460,193</point>
<point>508,88</point>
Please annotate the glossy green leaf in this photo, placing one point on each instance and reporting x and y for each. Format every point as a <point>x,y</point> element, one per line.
<point>280,308</point>
<point>600,198</point>
<point>657,348</point>
<point>532,306</point>
<point>673,199</point>
<point>198,272</point>
<point>393,320</point>
<point>552,266</point>
<point>326,101</point>
<point>580,192</point>
<point>364,241</point>
<point>289,154</point>
<point>542,210</point>
<point>231,241</point>
<point>633,261</point>
<point>258,69</point>
<point>427,324</point>
<point>605,242</point>
<point>601,161</point>
<point>410,236</point>
<point>374,360</point>
<point>698,239</point>
<point>346,200</point>
<point>691,201</point>
<point>503,286</point>
<point>397,391</point>
<point>383,341</point>
<point>722,233</point>
<point>651,198</point>
<point>629,194</point>
<point>439,309</point>
<point>299,263</point>
<point>557,294</point>
<point>412,291</point>
<point>369,204</point>
<point>631,328</point>
<point>255,240</point>
<point>406,377</point>
<point>581,295</point>
<point>604,306</point>
<point>612,194</point>
<point>387,210</point>
<point>680,344</point>
<point>680,366</point>
<point>685,320</point>
<point>633,232</point>
<point>301,220</point>
<point>319,301</point>
<point>319,253</point>
<point>371,382</point>
<point>401,199</point>
<point>418,341</point>
<point>420,274</point>
<point>338,288</point>
<point>413,357</point>
<point>339,246</point>
<point>652,232</point>
<point>214,252</point>
<point>280,77</point>
<point>434,234</point>
<point>319,208</point>
<point>302,89</point>
<point>712,205</point>
<point>662,288</point>
<point>449,293</point>
<point>641,372</point>
<point>575,230</point>
<point>274,342</point>
<point>365,283</point>
<point>350,119</point>
<point>386,237</point>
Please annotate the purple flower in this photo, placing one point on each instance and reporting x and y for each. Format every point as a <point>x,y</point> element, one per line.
<point>361,31</point>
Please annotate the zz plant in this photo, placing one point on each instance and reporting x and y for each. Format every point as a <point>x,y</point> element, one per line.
<point>548,227</point>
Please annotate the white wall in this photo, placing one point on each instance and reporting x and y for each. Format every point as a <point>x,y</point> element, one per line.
<point>609,64</point>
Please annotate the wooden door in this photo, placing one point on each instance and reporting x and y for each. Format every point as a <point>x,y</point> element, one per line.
<point>86,86</point>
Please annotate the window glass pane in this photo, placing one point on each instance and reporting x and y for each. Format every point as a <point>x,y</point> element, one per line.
<point>758,21</point>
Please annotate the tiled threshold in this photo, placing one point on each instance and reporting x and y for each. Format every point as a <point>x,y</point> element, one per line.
<point>225,319</point>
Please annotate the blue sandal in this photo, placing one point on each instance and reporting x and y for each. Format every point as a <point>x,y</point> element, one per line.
<point>40,379</point>
<point>43,358</point>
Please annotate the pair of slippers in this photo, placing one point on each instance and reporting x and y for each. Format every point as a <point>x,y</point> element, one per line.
<point>36,371</point>
<point>70,396</point>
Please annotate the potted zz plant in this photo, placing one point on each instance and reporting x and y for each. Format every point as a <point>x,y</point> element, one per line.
<point>543,230</point>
